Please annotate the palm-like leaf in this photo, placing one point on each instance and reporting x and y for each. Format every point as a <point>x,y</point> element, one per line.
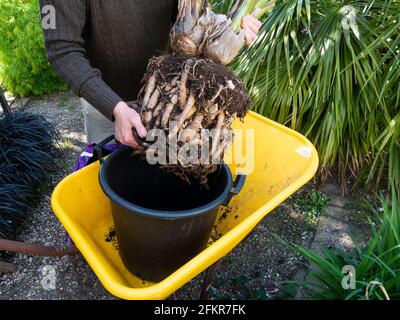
<point>330,69</point>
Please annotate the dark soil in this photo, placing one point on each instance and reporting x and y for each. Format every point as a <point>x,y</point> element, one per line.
<point>204,81</point>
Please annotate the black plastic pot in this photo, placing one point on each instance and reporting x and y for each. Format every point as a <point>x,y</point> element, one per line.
<point>161,222</point>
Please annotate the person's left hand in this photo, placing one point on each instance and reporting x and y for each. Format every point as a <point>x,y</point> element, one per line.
<point>251,26</point>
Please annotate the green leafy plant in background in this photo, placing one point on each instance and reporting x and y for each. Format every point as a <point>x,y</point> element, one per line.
<point>24,69</point>
<point>311,204</point>
<point>377,265</point>
<point>330,69</point>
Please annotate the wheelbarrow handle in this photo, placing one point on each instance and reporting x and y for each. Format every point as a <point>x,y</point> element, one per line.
<point>237,187</point>
<point>97,148</point>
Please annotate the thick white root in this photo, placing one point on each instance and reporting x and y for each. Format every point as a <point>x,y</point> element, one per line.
<point>166,115</point>
<point>186,113</point>
<point>149,90</point>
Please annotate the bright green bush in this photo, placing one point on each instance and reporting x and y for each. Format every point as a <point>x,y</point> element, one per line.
<point>24,69</point>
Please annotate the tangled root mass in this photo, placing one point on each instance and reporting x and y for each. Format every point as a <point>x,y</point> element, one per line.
<point>204,81</point>
<point>196,93</point>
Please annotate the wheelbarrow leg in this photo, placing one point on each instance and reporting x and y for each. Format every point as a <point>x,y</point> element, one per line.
<point>208,279</point>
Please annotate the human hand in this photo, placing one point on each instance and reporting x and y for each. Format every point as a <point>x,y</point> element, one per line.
<point>251,26</point>
<point>126,120</point>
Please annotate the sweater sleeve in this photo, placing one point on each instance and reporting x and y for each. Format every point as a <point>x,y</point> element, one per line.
<point>66,53</point>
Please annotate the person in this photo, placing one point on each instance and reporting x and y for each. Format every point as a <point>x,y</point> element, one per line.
<point>101,49</point>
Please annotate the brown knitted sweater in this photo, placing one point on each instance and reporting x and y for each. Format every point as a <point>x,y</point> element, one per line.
<point>101,47</point>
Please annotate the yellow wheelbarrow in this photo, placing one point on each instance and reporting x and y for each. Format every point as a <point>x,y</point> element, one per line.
<point>283,161</point>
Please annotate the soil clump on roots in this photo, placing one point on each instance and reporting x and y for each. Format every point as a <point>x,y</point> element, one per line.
<point>183,95</point>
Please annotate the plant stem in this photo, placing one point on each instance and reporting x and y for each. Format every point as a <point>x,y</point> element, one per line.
<point>190,9</point>
<point>262,3</point>
<point>246,8</point>
<point>198,7</point>
<point>264,6</point>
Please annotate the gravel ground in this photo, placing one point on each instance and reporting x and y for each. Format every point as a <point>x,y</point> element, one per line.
<point>253,270</point>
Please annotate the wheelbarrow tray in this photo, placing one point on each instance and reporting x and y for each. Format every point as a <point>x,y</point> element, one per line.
<point>284,160</point>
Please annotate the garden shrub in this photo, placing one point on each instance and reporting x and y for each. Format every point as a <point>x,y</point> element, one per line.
<point>24,69</point>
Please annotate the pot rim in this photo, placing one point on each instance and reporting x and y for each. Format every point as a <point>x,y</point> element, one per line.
<point>153,213</point>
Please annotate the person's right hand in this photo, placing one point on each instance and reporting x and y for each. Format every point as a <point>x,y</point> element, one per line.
<point>126,120</point>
